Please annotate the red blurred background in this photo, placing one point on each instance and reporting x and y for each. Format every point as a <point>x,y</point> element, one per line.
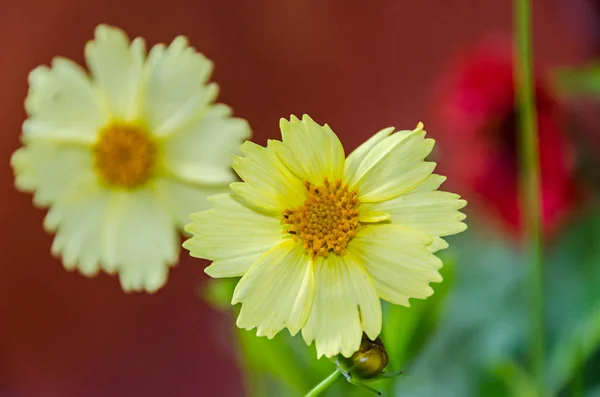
<point>359,66</point>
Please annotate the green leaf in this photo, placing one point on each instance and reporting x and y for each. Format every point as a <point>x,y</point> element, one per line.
<point>516,378</point>
<point>579,80</point>
<point>218,293</point>
<point>405,329</point>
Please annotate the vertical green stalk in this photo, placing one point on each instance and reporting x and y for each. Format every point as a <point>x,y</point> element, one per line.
<point>324,385</point>
<point>530,183</point>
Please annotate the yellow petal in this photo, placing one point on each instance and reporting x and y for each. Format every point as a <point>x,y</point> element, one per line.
<point>62,105</point>
<point>268,183</point>
<point>232,235</point>
<point>201,151</point>
<point>77,217</point>
<point>370,215</point>
<point>147,241</point>
<point>277,291</point>
<point>49,169</point>
<point>394,166</point>
<point>182,199</point>
<point>311,151</point>
<point>433,182</point>
<point>357,156</point>
<point>116,66</point>
<point>433,212</point>
<point>177,91</point>
<point>345,304</point>
<point>438,244</point>
<point>115,230</point>
<point>398,260</point>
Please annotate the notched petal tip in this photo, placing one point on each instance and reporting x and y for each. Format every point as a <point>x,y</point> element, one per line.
<point>103,31</point>
<point>179,42</point>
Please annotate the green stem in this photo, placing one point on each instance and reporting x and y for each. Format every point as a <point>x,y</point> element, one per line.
<point>530,183</point>
<point>577,383</point>
<point>324,385</point>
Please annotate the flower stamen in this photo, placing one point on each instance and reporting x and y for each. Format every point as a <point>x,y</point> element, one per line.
<point>125,155</point>
<point>327,220</point>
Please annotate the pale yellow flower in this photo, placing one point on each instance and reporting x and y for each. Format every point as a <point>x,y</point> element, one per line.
<point>123,155</point>
<point>319,238</point>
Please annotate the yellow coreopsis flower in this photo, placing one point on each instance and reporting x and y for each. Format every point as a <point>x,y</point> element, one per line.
<point>123,155</point>
<point>319,238</point>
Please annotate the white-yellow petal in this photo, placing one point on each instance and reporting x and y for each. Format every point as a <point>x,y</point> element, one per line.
<point>148,241</point>
<point>398,260</point>
<point>116,66</point>
<point>345,305</point>
<point>62,105</point>
<point>433,212</point>
<point>176,90</point>
<point>78,218</point>
<point>129,232</point>
<point>370,215</point>
<point>232,235</point>
<point>277,291</point>
<point>49,169</point>
<point>393,167</point>
<point>357,156</point>
<point>433,182</point>
<point>201,151</point>
<point>181,198</point>
<point>268,182</point>
<point>311,151</point>
<point>438,244</point>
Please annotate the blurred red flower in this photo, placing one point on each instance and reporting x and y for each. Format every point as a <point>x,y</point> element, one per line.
<point>475,120</point>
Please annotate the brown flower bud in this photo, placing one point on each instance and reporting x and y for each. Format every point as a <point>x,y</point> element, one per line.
<point>367,362</point>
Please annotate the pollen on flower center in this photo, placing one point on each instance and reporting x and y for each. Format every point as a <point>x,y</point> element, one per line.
<point>125,155</point>
<point>327,220</point>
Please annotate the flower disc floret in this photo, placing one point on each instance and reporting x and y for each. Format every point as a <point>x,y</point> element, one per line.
<point>327,220</point>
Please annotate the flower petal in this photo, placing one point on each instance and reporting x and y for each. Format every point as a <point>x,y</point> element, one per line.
<point>433,212</point>
<point>116,66</point>
<point>433,182</point>
<point>398,260</point>
<point>232,235</point>
<point>311,151</point>
<point>438,244</point>
<point>357,156</point>
<point>77,217</point>
<point>177,91</point>
<point>62,105</point>
<point>201,151</point>
<point>345,304</point>
<point>49,169</point>
<point>370,215</point>
<point>394,166</point>
<point>268,183</point>
<point>277,291</point>
<point>119,231</point>
<point>148,242</point>
<point>182,199</point>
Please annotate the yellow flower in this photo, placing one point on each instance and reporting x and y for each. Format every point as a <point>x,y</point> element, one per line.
<point>123,155</point>
<point>319,238</point>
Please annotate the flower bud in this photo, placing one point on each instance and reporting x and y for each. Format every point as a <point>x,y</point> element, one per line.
<point>367,362</point>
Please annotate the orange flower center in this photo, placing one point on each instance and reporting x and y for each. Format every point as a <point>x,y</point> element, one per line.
<point>327,220</point>
<point>125,155</point>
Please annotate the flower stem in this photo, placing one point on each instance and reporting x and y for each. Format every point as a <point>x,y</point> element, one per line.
<point>324,385</point>
<point>530,183</point>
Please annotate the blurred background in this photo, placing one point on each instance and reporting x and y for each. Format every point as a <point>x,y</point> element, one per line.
<point>358,66</point>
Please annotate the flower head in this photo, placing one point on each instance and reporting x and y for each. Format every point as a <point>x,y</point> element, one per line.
<point>475,116</point>
<point>318,238</point>
<point>123,155</point>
